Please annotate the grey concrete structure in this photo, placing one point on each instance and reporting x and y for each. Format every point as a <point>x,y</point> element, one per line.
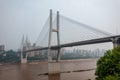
<point>53,67</point>
<point>51,30</point>
<point>25,45</point>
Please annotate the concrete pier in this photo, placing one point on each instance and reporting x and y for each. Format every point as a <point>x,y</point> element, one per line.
<point>54,71</point>
<point>53,67</point>
<point>23,60</point>
<point>116,42</point>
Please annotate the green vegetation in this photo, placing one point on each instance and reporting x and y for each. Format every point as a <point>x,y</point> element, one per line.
<point>11,57</point>
<point>108,66</point>
<point>112,77</point>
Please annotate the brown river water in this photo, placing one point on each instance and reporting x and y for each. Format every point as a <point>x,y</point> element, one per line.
<point>83,69</point>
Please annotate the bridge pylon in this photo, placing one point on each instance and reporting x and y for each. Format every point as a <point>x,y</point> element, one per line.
<point>23,55</point>
<point>51,30</point>
<point>23,48</point>
<point>53,67</point>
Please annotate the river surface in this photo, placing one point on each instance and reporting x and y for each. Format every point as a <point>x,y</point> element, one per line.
<point>70,70</point>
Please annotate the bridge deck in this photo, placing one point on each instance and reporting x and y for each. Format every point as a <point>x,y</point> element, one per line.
<point>93,41</point>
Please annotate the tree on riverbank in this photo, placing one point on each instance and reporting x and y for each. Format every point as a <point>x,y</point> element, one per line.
<point>11,57</point>
<point>108,66</point>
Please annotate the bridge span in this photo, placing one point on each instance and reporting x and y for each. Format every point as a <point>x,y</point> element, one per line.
<point>114,39</point>
<point>55,67</point>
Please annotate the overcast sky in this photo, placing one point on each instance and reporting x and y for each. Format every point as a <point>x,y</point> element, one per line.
<point>18,17</point>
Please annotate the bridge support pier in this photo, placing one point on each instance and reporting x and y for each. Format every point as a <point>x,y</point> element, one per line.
<point>116,42</point>
<point>23,56</point>
<point>54,67</point>
<point>54,71</point>
<point>23,60</point>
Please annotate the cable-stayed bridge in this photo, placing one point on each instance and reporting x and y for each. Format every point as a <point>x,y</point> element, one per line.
<point>59,32</point>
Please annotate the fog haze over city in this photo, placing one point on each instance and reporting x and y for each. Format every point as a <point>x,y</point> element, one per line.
<point>27,17</point>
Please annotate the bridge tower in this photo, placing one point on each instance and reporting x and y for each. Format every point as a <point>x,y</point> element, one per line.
<point>24,47</point>
<point>53,67</point>
<point>23,55</point>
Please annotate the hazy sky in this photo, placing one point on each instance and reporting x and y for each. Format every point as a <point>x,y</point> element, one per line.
<point>18,17</point>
